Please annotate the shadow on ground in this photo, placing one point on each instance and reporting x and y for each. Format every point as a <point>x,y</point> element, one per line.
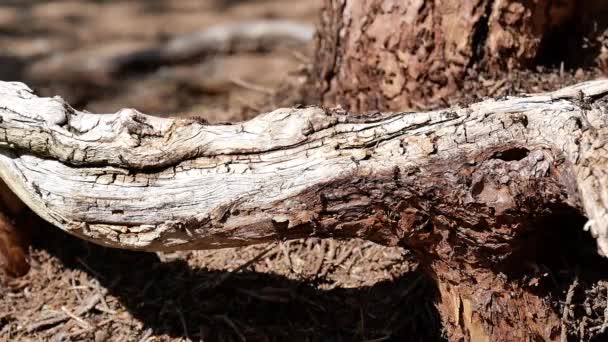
<point>171,298</point>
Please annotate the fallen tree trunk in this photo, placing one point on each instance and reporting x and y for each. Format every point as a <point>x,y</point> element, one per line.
<point>463,187</point>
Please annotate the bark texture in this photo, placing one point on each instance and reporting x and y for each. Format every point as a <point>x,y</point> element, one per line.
<point>392,55</point>
<point>292,172</point>
<point>464,187</point>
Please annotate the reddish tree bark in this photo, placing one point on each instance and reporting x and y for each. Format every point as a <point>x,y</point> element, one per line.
<point>375,55</point>
<point>13,242</point>
<point>395,55</point>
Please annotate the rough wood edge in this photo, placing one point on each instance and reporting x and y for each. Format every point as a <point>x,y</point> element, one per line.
<point>130,180</point>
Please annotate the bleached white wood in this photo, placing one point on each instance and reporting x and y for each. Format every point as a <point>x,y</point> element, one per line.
<point>130,180</point>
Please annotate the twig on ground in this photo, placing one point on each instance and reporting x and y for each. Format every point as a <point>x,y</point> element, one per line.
<point>79,332</point>
<point>320,259</point>
<point>63,316</point>
<point>89,268</point>
<point>146,335</point>
<point>330,255</point>
<point>102,292</point>
<point>566,311</point>
<point>264,297</point>
<point>225,276</point>
<point>101,308</point>
<point>81,322</point>
<point>498,85</point>
<point>248,85</point>
<point>74,287</point>
<point>380,339</point>
<point>232,325</point>
<point>183,322</point>
<point>284,246</point>
<point>602,328</point>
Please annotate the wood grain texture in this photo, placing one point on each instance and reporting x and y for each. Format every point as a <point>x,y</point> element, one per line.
<point>134,181</point>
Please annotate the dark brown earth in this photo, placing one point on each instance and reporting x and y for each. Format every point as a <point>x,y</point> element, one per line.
<point>306,290</point>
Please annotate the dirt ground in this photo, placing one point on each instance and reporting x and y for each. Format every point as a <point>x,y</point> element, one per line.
<point>306,290</point>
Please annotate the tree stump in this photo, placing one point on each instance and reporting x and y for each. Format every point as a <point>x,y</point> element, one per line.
<point>398,55</point>
<point>376,55</point>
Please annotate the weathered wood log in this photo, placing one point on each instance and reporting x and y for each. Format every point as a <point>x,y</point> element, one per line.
<point>463,187</point>
<point>135,181</point>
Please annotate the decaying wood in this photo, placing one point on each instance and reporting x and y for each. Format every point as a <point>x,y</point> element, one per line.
<point>463,187</point>
<point>395,55</point>
<point>485,185</point>
<point>494,165</point>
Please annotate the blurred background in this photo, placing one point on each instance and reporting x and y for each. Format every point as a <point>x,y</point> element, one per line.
<point>192,58</point>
